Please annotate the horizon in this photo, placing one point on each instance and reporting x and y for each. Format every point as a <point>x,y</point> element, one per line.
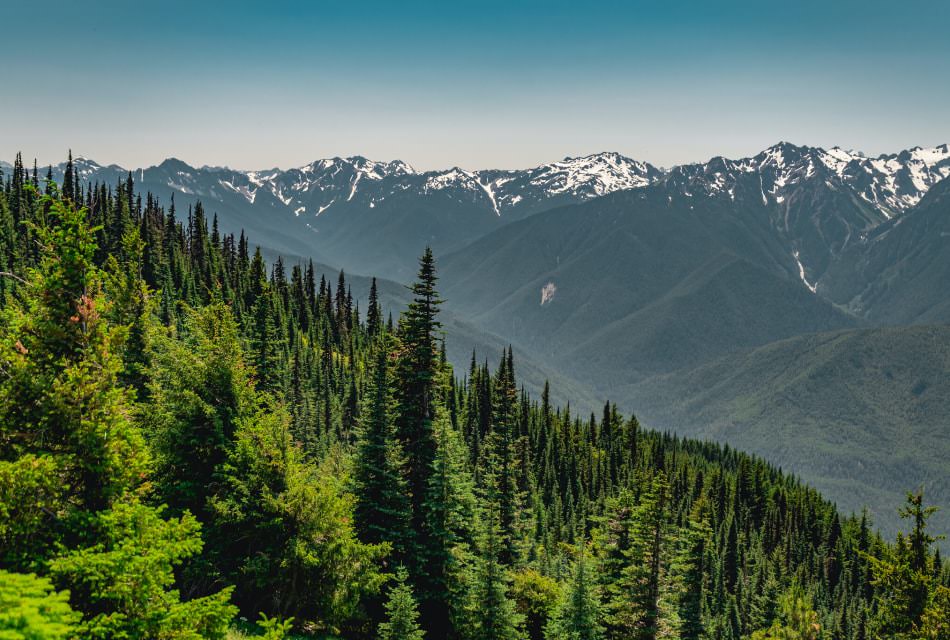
<point>109,164</point>
<point>436,86</point>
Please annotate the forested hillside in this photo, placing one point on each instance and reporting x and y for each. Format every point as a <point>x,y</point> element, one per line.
<point>191,438</point>
<point>857,412</point>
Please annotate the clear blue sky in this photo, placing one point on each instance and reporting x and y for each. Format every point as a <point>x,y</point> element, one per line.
<point>475,84</point>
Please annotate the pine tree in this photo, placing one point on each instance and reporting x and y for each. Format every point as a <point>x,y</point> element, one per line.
<point>691,568</point>
<point>903,576</point>
<point>374,312</point>
<point>501,457</point>
<point>638,610</point>
<point>382,507</point>
<point>577,617</point>
<point>30,608</point>
<point>200,390</point>
<point>287,522</point>
<point>496,616</point>
<point>401,613</point>
<point>799,620</point>
<point>417,401</point>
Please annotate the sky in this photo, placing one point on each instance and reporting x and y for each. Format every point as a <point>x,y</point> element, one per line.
<point>254,85</point>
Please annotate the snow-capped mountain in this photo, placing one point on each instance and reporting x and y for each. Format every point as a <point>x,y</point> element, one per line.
<point>374,217</point>
<point>892,183</point>
<point>370,216</point>
<point>315,188</point>
<point>818,201</point>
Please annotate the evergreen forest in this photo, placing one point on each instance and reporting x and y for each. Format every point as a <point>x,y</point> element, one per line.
<point>196,442</point>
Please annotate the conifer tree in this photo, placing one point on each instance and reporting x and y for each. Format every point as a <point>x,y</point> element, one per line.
<point>31,609</point>
<point>382,507</point>
<point>401,613</point>
<point>799,620</point>
<point>287,522</point>
<point>373,312</point>
<point>691,568</point>
<point>501,457</point>
<point>577,617</point>
<point>65,413</point>
<point>903,576</point>
<point>496,616</point>
<point>417,401</point>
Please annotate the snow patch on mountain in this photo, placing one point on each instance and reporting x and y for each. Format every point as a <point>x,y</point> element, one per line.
<point>801,273</point>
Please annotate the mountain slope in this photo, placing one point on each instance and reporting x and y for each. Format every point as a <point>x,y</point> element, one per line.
<point>860,414</point>
<point>636,283</point>
<point>900,272</point>
<point>819,202</point>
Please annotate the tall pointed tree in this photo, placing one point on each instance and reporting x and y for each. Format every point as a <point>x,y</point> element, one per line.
<point>382,506</point>
<point>417,400</point>
<point>577,616</point>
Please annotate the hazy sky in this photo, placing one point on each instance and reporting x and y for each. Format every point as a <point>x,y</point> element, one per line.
<point>475,84</point>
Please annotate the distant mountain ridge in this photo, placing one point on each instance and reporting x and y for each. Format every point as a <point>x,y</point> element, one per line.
<point>373,217</point>
<point>891,183</point>
<point>316,187</point>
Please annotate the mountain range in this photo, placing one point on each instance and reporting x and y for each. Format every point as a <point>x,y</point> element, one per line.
<point>787,303</point>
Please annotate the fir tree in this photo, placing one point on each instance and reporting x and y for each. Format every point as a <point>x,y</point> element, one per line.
<point>577,617</point>
<point>496,616</point>
<point>382,507</point>
<point>401,613</point>
<point>373,312</point>
<point>64,412</point>
<point>417,397</point>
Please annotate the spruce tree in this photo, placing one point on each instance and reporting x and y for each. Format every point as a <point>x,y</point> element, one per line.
<point>382,506</point>
<point>577,617</point>
<point>401,613</point>
<point>374,312</point>
<point>417,401</point>
<point>31,609</point>
<point>496,616</point>
<point>903,576</point>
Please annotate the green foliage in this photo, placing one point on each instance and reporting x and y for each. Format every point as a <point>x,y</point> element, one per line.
<point>578,614</point>
<point>289,542</point>
<point>31,610</point>
<point>128,574</point>
<point>935,621</point>
<point>30,490</point>
<point>430,477</point>
<point>60,395</point>
<point>68,436</point>
<point>906,590</point>
<point>274,628</point>
<point>402,613</point>
<point>536,596</point>
<point>799,621</point>
<point>199,389</point>
<point>382,506</point>
<point>496,617</point>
